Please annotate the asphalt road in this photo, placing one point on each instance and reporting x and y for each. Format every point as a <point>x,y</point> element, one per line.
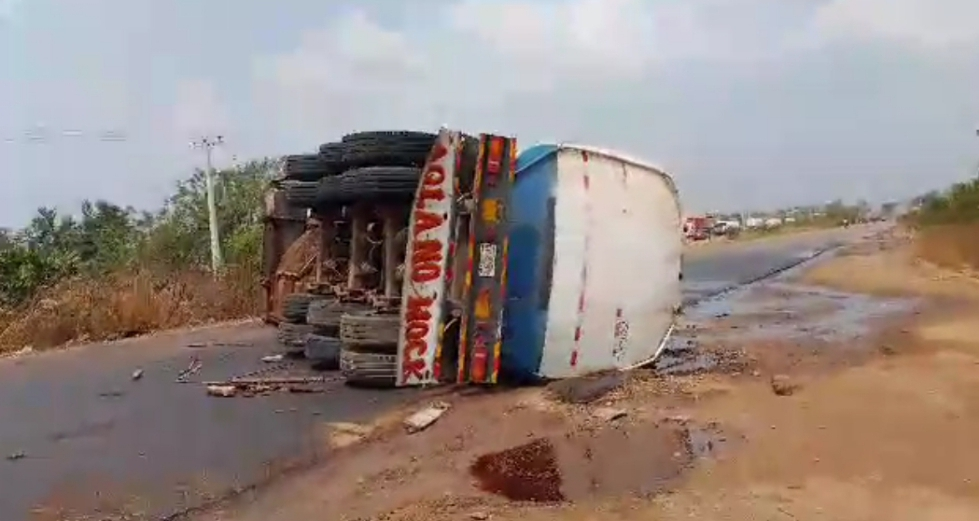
<point>709,271</point>
<point>78,435</point>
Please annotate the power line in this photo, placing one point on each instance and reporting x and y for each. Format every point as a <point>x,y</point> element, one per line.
<point>208,143</point>
<point>42,135</point>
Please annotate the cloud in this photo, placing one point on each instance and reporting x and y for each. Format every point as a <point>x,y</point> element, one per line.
<point>748,102</point>
<point>8,8</point>
<point>935,25</point>
<point>480,57</point>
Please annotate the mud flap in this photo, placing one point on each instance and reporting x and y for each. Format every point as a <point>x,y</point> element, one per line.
<point>427,266</point>
<point>484,293</point>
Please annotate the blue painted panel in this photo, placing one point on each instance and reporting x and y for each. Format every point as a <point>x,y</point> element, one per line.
<point>528,266</point>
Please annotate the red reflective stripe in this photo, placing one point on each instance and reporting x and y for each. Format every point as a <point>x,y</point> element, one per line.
<point>578,332</point>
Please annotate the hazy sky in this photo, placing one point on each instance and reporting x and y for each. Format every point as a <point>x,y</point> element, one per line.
<point>747,102</point>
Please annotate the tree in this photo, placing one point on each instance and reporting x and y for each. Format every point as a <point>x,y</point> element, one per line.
<point>179,235</point>
<point>107,237</point>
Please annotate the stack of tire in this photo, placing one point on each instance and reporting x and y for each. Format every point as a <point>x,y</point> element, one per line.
<point>293,328</point>
<point>381,167</point>
<point>378,167</point>
<point>322,345</point>
<point>369,352</point>
<point>301,176</point>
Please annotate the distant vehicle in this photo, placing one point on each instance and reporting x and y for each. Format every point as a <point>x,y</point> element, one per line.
<point>726,229</point>
<point>697,228</point>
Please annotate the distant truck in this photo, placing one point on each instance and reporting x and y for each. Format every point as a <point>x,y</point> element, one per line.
<point>698,228</point>
<point>455,261</point>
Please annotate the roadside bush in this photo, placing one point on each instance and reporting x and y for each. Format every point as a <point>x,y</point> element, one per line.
<point>957,205</point>
<point>125,304</point>
<point>954,246</point>
<point>113,272</point>
<point>947,226</point>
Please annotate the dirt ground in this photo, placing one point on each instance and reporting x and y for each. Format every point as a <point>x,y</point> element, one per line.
<point>800,417</point>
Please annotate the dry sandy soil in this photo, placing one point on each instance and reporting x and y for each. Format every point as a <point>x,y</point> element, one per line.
<point>874,426</point>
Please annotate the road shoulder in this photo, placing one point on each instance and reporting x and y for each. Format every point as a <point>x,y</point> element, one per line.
<point>806,410</point>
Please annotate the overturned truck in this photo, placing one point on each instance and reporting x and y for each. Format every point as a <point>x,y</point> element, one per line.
<point>407,258</point>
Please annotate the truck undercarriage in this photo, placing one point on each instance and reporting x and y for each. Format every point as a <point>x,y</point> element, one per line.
<point>385,252</point>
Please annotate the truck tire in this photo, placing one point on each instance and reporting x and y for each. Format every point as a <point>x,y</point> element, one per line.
<point>295,306</point>
<point>304,167</point>
<point>329,192</point>
<point>387,148</point>
<point>324,314</point>
<point>323,351</point>
<point>380,184</point>
<point>331,156</point>
<point>301,194</point>
<point>293,336</point>
<point>371,329</point>
<point>367,369</point>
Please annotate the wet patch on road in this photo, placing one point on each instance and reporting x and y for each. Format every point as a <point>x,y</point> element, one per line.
<point>527,472</point>
<point>782,310</point>
<point>775,311</point>
<point>641,459</point>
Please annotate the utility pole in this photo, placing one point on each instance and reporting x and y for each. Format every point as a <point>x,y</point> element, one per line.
<point>208,143</point>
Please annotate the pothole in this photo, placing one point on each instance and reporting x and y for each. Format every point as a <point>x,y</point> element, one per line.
<point>630,460</point>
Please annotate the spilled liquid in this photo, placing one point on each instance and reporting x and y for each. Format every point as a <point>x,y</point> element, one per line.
<point>527,472</point>
<point>640,460</point>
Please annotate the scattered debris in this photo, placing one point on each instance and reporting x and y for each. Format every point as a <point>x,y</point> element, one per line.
<point>192,369</point>
<point>608,414</point>
<point>230,344</point>
<point>782,385</point>
<point>112,393</point>
<point>273,380</point>
<point>26,350</point>
<point>424,418</point>
<point>586,389</point>
<point>249,387</point>
<point>304,388</point>
<point>344,434</point>
<point>137,374</point>
<point>479,516</point>
<point>272,358</point>
<point>681,419</point>
<point>224,391</point>
<point>200,345</point>
<point>887,349</point>
<point>14,456</point>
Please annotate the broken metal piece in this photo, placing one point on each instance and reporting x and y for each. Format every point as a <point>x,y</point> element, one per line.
<point>194,366</point>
